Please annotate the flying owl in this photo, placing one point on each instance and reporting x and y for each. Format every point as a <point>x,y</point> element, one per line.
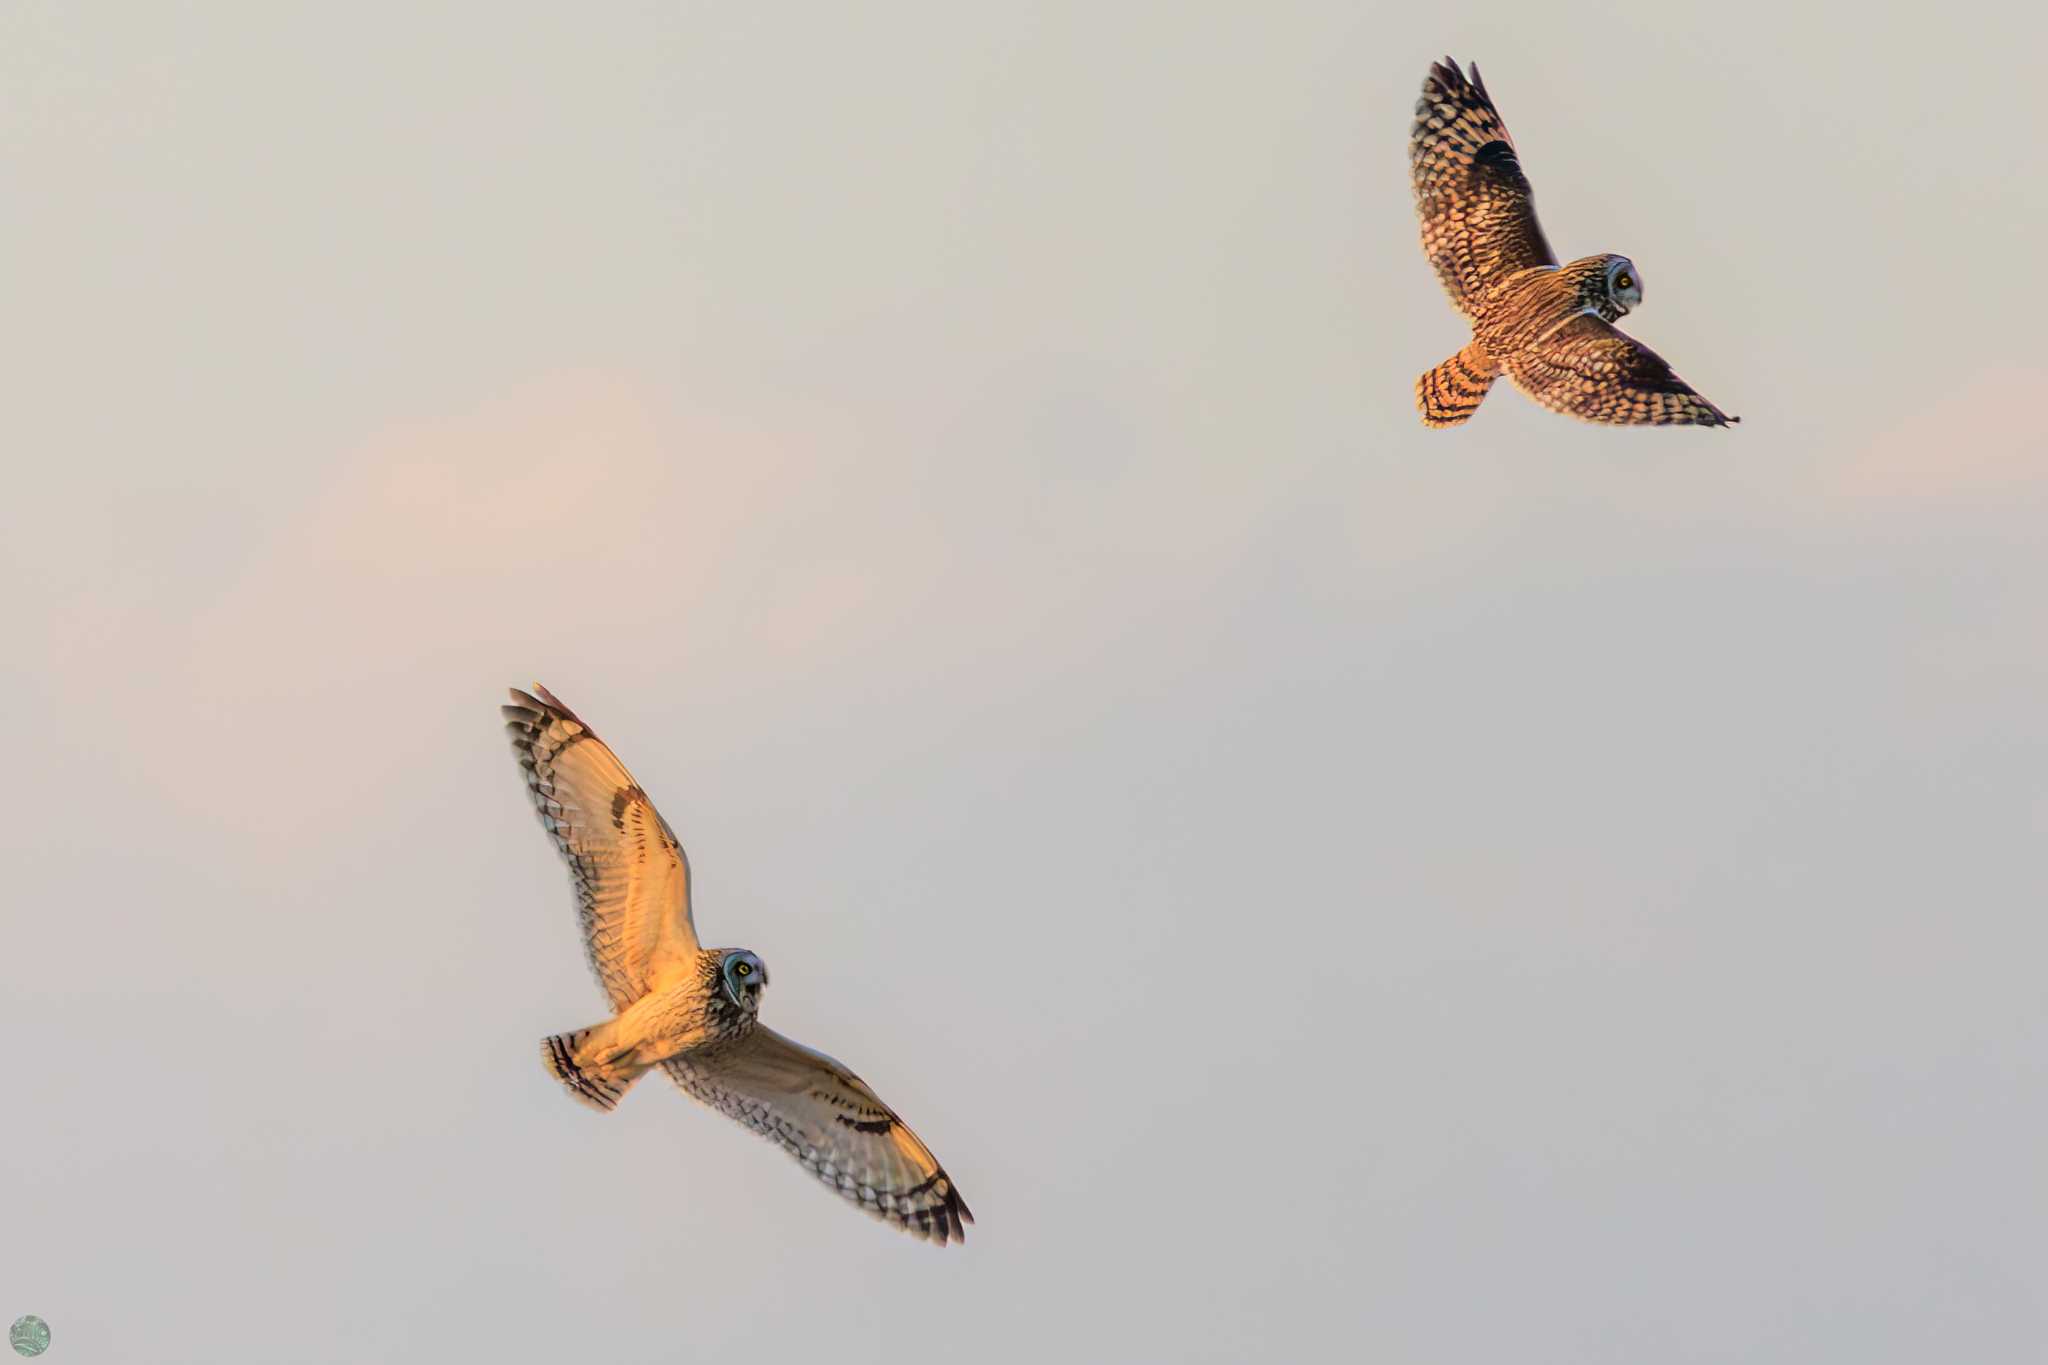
<point>1550,326</point>
<point>695,1011</point>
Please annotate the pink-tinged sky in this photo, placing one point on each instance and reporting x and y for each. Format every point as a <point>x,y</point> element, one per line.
<point>1328,890</point>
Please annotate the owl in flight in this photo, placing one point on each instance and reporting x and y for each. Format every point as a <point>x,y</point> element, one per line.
<point>694,1011</point>
<point>1550,326</point>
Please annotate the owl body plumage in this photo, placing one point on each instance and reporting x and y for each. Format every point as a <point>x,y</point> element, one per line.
<point>1549,327</point>
<point>684,1013</point>
<point>695,1012</point>
<point>688,1011</point>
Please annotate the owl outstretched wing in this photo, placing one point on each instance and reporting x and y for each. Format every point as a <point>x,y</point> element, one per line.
<point>1478,216</point>
<point>631,877</point>
<point>1590,370</point>
<point>833,1124</point>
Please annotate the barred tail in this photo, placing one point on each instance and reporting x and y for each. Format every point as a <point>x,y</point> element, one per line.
<point>598,1084</point>
<point>1452,392</point>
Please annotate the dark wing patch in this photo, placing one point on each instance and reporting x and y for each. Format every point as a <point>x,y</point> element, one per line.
<point>1589,370</point>
<point>881,1125</point>
<point>627,798</point>
<point>1478,213</point>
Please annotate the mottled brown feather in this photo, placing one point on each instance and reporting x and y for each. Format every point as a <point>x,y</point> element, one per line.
<point>1478,213</point>
<point>1590,370</point>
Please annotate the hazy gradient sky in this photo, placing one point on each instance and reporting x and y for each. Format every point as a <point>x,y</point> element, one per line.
<point>1328,890</point>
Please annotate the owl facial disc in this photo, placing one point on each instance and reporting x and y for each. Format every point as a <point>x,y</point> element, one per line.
<point>1624,283</point>
<point>744,975</point>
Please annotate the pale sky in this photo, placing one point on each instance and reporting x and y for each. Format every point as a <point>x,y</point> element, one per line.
<point>1327,889</point>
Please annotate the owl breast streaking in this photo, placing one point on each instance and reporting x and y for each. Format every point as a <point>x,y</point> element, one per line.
<point>1550,327</point>
<point>695,1011</point>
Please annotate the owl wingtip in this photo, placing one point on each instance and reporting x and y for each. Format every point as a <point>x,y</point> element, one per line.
<point>542,699</point>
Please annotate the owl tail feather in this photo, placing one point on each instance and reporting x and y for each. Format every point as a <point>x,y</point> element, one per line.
<point>1453,391</point>
<point>582,1065</point>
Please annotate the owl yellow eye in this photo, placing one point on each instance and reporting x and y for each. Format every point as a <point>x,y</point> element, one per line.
<point>746,969</point>
<point>1623,282</point>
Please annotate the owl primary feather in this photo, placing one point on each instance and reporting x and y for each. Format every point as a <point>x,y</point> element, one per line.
<point>1548,327</point>
<point>695,1011</point>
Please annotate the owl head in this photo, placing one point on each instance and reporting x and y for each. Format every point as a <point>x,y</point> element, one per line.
<point>743,974</point>
<point>1624,283</point>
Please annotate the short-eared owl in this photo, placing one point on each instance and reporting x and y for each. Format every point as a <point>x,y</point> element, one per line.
<point>1550,327</point>
<point>694,1011</point>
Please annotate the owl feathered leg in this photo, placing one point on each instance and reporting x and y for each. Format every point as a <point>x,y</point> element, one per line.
<point>591,1063</point>
<point>1453,391</point>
